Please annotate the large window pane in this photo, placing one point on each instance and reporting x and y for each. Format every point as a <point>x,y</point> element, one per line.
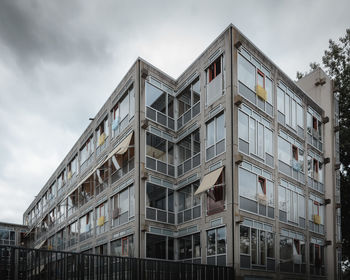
<point>247,184</point>
<point>211,248</point>
<point>284,152</point>
<point>221,232</point>
<point>124,201</point>
<point>156,196</point>
<point>280,100</point>
<point>156,147</point>
<point>268,87</point>
<point>244,240</point>
<point>211,133</point>
<point>220,128</point>
<point>260,140</point>
<point>246,72</point>
<point>243,125</point>
<point>155,98</point>
<point>252,136</point>
<point>155,246</point>
<point>268,141</point>
<point>124,107</point>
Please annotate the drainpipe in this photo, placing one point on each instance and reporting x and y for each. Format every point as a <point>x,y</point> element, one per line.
<point>232,163</point>
<point>139,128</point>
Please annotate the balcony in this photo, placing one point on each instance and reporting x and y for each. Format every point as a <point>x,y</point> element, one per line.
<point>188,115</point>
<point>189,164</point>
<point>160,118</point>
<point>160,166</point>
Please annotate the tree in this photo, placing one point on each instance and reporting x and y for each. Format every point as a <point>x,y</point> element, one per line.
<point>336,62</point>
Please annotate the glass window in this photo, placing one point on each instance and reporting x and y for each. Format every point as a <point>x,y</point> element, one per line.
<point>252,136</point>
<point>155,98</point>
<point>124,201</point>
<point>132,201</point>
<point>268,141</point>
<point>280,100</point>
<point>159,247</point>
<point>210,133</point>
<point>211,242</point>
<point>246,72</point>
<point>284,153</point>
<point>156,147</point>
<point>156,196</point>
<point>124,107</point>
<point>247,184</point>
<point>132,101</point>
<point>269,90</point>
<point>244,240</point>
<point>221,236</point>
<point>243,125</point>
<point>220,128</point>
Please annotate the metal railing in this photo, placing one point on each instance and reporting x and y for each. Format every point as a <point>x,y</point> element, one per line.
<point>28,264</point>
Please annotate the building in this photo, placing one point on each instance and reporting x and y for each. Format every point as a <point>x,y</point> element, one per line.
<point>12,234</point>
<point>230,164</point>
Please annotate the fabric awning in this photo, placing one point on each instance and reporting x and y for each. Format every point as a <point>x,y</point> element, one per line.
<point>209,181</point>
<point>123,146</point>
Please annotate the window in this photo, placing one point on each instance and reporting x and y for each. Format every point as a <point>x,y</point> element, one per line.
<point>102,133</point>
<point>292,252</point>
<point>216,246</point>
<point>188,103</point>
<point>159,247</point>
<point>160,203</point>
<point>160,154</point>
<point>188,153</point>
<point>255,135</point>
<point>72,202</point>
<point>256,191</point>
<point>86,224</point>
<point>61,181</point>
<point>316,214</point>
<point>102,218</point>
<point>123,247</point>
<point>317,257</point>
<point>86,190</point>
<point>315,171</point>
<point>291,157</point>
<point>123,206</point>
<point>101,179</point>
<point>254,82</point>
<point>292,204</point>
<point>214,81</point>
<point>85,153</point>
<point>7,237</point>
<point>72,167</point>
<point>160,105</point>
<point>189,205</point>
<point>215,141</point>
<point>290,109</point>
<point>314,129</point>
<point>257,246</point>
<point>216,196</point>
<point>190,248</point>
<point>122,112</point>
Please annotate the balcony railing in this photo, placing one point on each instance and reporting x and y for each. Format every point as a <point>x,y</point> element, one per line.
<point>189,164</point>
<point>125,169</point>
<point>188,115</point>
<point>160,118</point>
<point>160,166</point>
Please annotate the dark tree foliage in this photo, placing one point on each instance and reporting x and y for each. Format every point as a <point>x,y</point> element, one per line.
<point>336,61</point>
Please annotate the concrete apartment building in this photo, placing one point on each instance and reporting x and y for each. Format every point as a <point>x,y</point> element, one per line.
<point>232,164</point>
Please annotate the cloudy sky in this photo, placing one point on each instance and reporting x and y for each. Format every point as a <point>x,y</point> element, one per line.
<point>60,61</point>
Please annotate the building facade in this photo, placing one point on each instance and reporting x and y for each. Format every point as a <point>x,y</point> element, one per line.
<point>12,234</point>
<point>230,164</point>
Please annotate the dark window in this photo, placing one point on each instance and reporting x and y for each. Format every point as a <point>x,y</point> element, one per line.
<point>214,69</point>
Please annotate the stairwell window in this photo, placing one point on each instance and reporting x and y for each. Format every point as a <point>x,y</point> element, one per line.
<point>215,139</point>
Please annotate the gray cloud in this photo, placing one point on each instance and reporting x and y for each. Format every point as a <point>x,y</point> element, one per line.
<point>60,60</point>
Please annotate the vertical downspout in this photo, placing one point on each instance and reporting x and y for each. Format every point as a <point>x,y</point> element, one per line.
<point>139,128</point>
<point>232,164</point>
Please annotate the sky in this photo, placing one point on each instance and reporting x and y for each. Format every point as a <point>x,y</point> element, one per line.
<point>61,60</point>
